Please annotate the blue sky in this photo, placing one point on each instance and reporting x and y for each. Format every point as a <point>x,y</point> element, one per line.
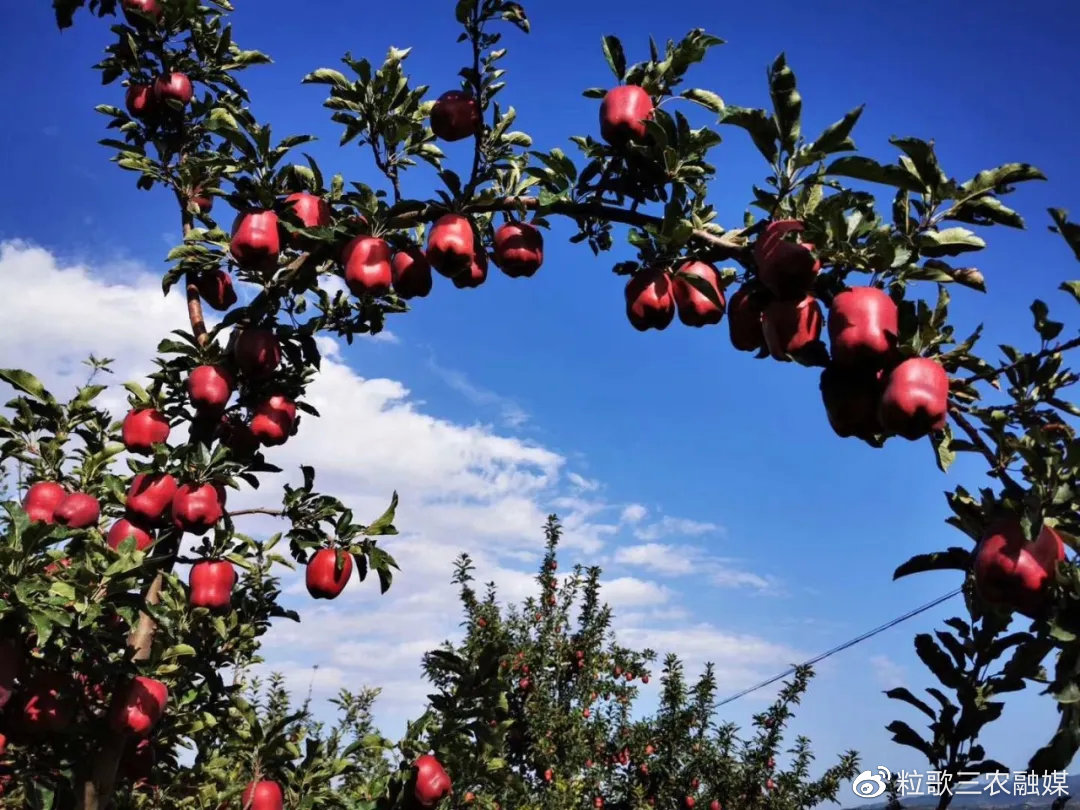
<point>677,422</point>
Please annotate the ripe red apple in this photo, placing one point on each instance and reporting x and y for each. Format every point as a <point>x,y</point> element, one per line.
<point>142,429</point>
<point>451,245</point>
<point>649,300</point>
<point>771,763</point>
<point>367,266</point>
<point>274,421</point>
<point>586,712</point>
<point>476,274</point>
<point>149,496</point>
<point>138,12</point>
<point>209,388</point>
<point>519,249</point>
<point>313,211</point>
<point>432,782</point>
<point>46,703</point>
<point>173,86</point>
<point>216,289</point>
<point>915,401</point>
<point>689,802</point>
<point>256,241</point>
<point>411,273</point>
<point>323,577</point>
<point>714,805</point>
<point>645,679</point>
<point>851,398</point>
<point>455,116</point>
<point>1013,573</point>
<point>197,507</point>
<point>264,795</point>
<point>78,511</point>
<point>257,353</point>
<point>693,306</point>
<point>598,802</point>
<point>204,201</point>
<point>211,584</point>
<point>549,775</point>
<point>139,707</point>
<point>770,784</point>
<point>140,101</point>
<point>623,114</point>
<point>791,326</point>
<point>12,657</point>
<point>125,528</point>
<point>787,269</point>
<point>744,319</point>
<point>42,499</point>
<point>863,327</point>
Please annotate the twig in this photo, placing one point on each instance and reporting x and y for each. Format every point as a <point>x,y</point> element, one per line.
<point>997,372</point>
<point>262,510</point>
<point>997,469</point>
<point>478,91</point>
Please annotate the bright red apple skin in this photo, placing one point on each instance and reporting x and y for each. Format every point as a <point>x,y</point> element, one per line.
<point>256,241</point>
<point>123,529</point>
<point>140,101</point>
<point>142,429</point>
<point>451,245</point>
<point>173,87</point>
<point>149,497</point>
<point>274,421</point>
<point>411,273</point>
<point>46,708</point>
<point>863,326</point>
<point>476,275</point>
<point>432,781</point>
<point>216,289</point>
<point>313,211</point>
<point>322,577</point>
<point>150,8</point>
<point>78,511</point>
<point>915,401</point>
<point>851,398</point>
<point>204,201</point>
<point>196,508</point>
<point>650,303</point>
<point>139,707</point>
<point>367,266</point>
<point>623,114</point>
<point>265,795</point>
<point>744,320</point>
<point>791,326</point>
<point>212,584</point>
<point>257,353</point>
<point>714,805</point>
<point>787,269</point>
<point>455,116</point>
<point>694,307</point>
<point>209,388</point>
<point>519,249</point>
<point>42,499</point>
<point>1013,573</point>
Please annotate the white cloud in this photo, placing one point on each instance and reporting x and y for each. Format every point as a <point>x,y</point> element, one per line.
<point>582,483</point>
<point>633,513</point>
<point>887,672</point>
<point>670,560</point>
<point>512,414</point>
<point>668,526</point>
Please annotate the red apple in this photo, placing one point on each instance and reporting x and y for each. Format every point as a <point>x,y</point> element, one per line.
<point>42,499</point>
<point>216,289</point>
<point>138,708</point>
<point>209,388</point>
<point>714,805</point>
<point>46,703</point>
<point>196,508</point>
<point>549,775</point>
<point>313,211</point>
<point>257,353</point>
<point>863,327</point>
<point>256,241</point>
<point>519,249</point>
<point>138,12</point>
<point>689,802</point>
<point>324,578</point>
<point>149,496</point>
<point>623,114</point>
<point>274,421</point>
<point>744,319</point>
<point>204,201</point>
<point>915,401</point>
<point>411,273</point>
<point>143,428</point>
<point>598,802</point>
<point>693,306</point>
<point>787,269</point>
<point>770,784</point>
<point>455,116</point>
<point>586,712</point>
<point>851,398</point>
<point>237,436</point>
<point>173,86</point>
<point>791,326</point>
<point>451,245</point>
<point>211,584</point>
<point>649,301</point>
<point>264,795</point>
<point>476,275</point>
<point>432,782</point>
<point>367,266</point>
<point>1013,573</point>
<point>123,529</point>
<point>78,511</point>
<point>140,101</point>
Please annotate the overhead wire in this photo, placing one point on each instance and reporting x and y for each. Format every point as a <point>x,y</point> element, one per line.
<point>841,647</point>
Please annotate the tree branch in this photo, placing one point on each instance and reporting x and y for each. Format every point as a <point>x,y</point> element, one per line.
<point>262,510</point>
<point>994,373</point>
<point>997,469</point>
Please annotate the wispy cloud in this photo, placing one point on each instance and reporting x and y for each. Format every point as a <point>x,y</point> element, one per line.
<point>680,561</point>
<point>511,414</point>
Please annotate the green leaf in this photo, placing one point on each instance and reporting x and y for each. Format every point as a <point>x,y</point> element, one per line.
<point>985,211</point>
<point>178,651</point>
<point>901,693</point>
<point>385,521</point>
<point>836,137</point>
<point>991,179</point>
<point>858,167</point>
<point>760,126</point>
<point>1072,288</point>
<point>787,103</point>
<point>952,559</point>
<point>903,734</point>
<point>949,242</point>
<point>924,160</point>
<point>706,98</point>
<point>937,661</point>
<point>1069,230</point>
<point>327,76</point>
<point>26,382</point>
<point>615,56</point>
